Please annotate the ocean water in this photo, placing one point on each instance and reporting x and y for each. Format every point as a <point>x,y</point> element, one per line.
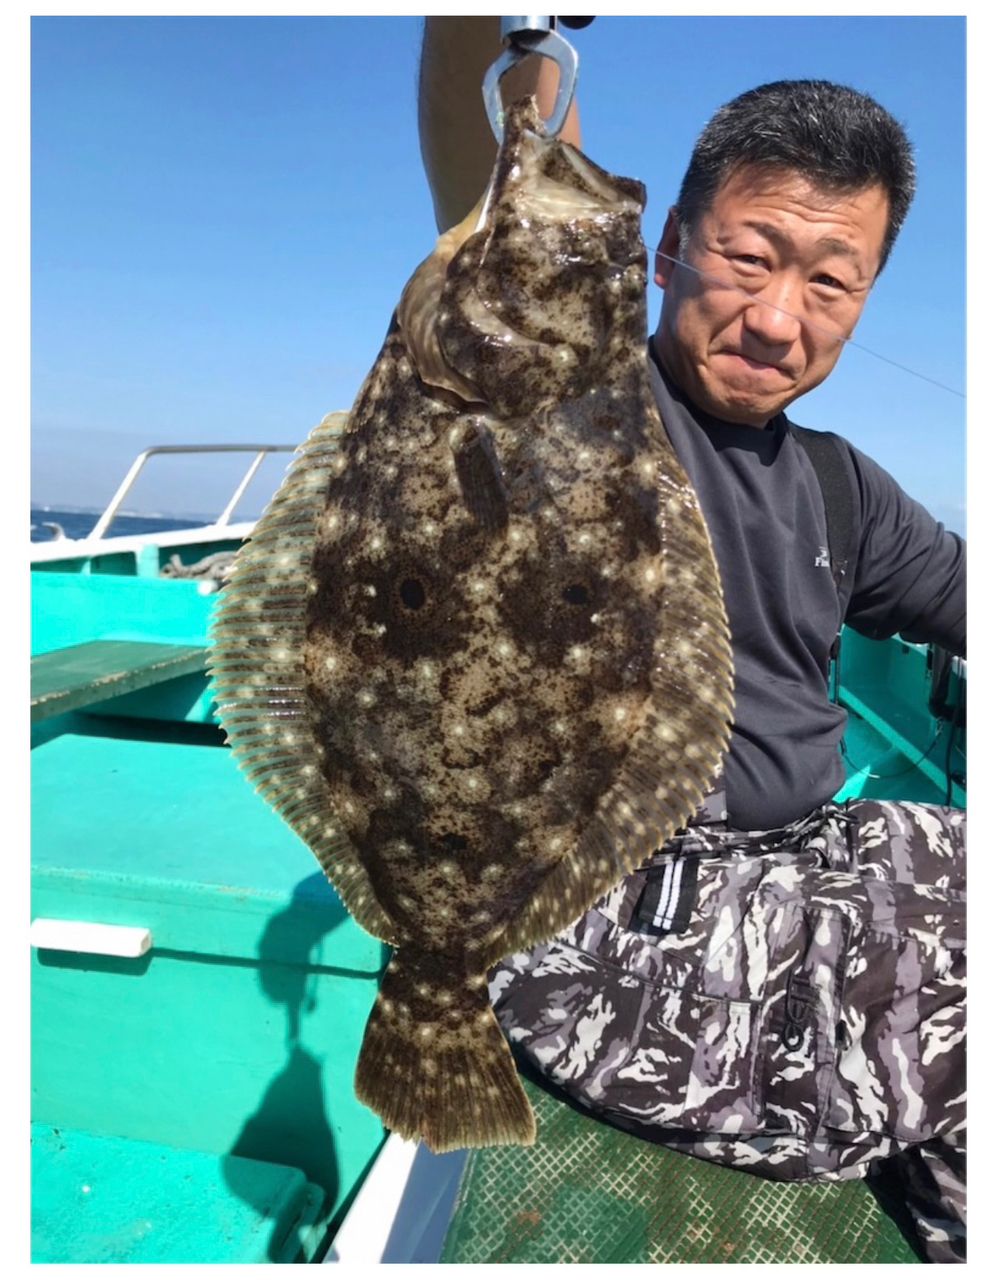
<point>77,524</point>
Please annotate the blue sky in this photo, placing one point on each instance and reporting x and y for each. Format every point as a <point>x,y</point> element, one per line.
<point>225,211</point>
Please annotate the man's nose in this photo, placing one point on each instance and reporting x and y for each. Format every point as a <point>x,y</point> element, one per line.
<point>773,316</point>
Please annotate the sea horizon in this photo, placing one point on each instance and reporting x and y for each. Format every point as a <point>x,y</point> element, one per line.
<point>49,523</point>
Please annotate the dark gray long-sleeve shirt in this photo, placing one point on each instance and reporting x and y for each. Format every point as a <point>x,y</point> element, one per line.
<point>765,512</point>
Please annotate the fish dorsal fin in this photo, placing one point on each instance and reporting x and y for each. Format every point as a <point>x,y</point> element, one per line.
<point>257,670</point>
<point>675,755</point>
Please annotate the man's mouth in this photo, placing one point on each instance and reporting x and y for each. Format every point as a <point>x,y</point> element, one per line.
<point>749,362</point>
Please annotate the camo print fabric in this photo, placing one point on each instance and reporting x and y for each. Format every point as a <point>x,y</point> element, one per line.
<point>806,1021</point>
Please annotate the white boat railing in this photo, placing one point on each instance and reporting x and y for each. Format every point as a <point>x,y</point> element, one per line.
<point>259,451</point>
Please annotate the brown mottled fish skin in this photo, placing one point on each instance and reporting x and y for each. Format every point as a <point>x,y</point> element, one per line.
<point>510,679</point>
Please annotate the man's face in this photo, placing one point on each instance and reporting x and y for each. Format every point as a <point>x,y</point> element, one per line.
<point>787,268</point>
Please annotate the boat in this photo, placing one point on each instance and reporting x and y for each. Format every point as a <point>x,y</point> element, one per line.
<point>199,993</point>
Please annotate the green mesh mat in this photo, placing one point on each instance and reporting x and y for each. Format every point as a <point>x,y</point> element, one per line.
<point>586,1192</point>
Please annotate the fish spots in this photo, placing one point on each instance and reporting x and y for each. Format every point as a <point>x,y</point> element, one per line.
<point>412,593</point>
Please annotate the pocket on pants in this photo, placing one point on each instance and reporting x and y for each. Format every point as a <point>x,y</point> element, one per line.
<point>798,1046</point>
<point>734,1036</point>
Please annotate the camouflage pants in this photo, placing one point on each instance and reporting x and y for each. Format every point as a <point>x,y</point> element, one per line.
<point>787,1002</point>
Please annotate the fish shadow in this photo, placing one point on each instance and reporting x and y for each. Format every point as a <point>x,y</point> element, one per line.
<point>291,1125</point>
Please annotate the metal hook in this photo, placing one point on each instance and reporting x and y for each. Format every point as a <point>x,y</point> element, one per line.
<point>523,37</point>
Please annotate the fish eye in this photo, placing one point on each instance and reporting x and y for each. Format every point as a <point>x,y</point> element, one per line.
<point>412,594</point>
<point>576,594</point>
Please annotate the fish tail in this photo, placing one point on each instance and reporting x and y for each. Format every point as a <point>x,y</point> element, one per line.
<point>435,1065</point>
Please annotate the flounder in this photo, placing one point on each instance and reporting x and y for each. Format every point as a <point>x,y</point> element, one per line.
<point>476,652</point>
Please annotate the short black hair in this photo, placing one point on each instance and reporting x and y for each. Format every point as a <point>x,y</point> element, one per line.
<point>835,136</point>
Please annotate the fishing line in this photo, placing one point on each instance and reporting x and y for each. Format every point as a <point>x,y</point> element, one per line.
<point>817,328</point>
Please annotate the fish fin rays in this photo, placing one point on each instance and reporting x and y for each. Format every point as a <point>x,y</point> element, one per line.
<point>258,677</point>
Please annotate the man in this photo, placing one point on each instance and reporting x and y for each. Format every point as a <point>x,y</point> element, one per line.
<point>781,987</point>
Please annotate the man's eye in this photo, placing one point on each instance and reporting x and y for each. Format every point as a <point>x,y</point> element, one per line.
<point>750,259</point>
<point>829,282</point>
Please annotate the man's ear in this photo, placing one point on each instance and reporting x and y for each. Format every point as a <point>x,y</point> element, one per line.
<point>668,245</point>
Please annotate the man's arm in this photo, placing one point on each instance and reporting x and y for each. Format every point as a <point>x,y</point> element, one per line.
<point>455,136</point>
<point>911,572</point>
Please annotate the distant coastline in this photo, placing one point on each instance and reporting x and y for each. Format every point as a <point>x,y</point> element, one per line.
<point>50,523</point>
<point>199,517</point>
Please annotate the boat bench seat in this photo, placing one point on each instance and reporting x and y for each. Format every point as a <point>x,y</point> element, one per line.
<point>83,674</point>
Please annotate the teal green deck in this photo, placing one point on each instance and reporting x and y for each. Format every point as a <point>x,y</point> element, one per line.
<point>222,1061</point>
<point>218,1068</point>
<point>107,1199</point>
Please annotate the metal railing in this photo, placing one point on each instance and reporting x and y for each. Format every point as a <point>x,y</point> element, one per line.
<point>260,450</point>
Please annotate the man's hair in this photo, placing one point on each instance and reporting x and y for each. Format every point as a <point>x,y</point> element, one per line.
<point>836,137</point>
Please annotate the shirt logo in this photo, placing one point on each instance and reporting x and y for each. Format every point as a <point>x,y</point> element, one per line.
<point>821,560</point>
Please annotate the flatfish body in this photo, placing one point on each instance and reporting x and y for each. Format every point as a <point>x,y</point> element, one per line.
<point>476,652</point>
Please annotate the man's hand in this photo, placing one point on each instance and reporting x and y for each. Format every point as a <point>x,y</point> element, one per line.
<point>454,132</point>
